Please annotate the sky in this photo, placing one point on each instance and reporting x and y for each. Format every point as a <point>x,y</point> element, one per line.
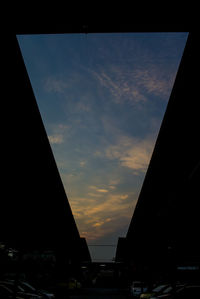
<point>102,98</point>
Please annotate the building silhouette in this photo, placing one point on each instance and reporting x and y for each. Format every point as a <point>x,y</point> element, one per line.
<point>35,214</point>
<point>164,229</point>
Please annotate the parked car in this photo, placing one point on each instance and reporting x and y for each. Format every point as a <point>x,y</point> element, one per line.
<point>137,287</point>
<point>186,292</point>
<point>154,292</point>
<point>29,288</point>
<point>7,292</point>
<point>168,292</point>
<point>26,288</point>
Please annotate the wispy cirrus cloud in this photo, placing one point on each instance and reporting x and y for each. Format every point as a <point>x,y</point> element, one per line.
<point>153,80</point>
<point>53,84</point>
<point>120,86</point>
<point>133,84</point>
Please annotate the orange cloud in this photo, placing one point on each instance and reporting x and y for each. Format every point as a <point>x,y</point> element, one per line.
<point>95,194</point>
<point>96,218</point>
<point>98,224</point>
<point>56,139</point>
<point>132,153</point>
<point>102,190</point>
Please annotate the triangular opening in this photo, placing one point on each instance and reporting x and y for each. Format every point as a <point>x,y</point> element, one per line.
<point>102,98</point>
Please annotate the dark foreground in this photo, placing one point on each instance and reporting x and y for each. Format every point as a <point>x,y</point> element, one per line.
<point>101,293</point>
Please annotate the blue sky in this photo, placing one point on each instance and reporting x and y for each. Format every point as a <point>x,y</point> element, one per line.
<point>102,98</point>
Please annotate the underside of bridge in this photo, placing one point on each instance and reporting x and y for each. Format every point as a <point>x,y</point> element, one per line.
<point>165,226</point>
<point>34,208</point>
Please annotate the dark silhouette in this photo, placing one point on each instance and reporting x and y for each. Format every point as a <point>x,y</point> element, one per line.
<point>165,226</point>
